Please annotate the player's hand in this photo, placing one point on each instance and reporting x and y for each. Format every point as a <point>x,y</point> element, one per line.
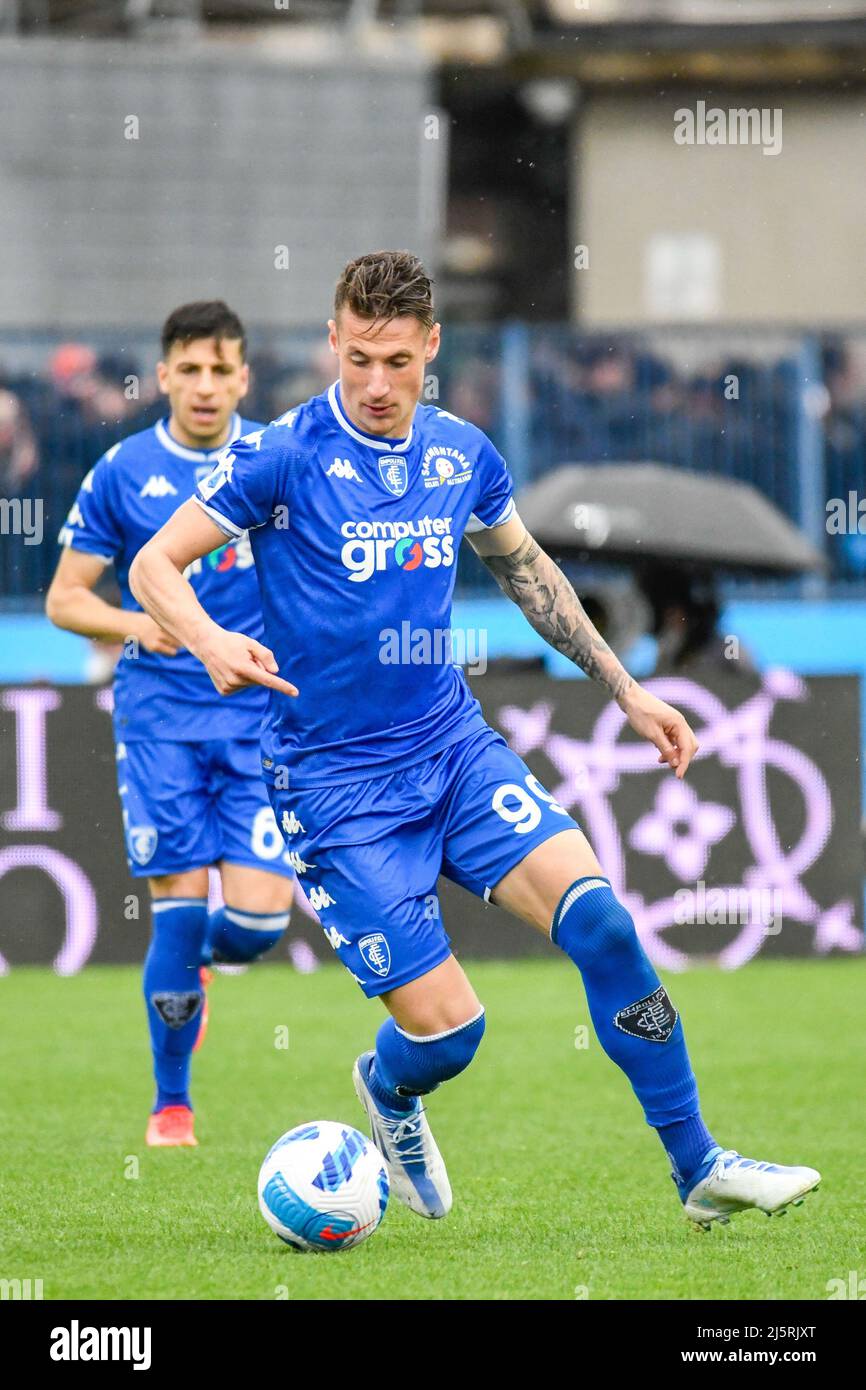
<point>154,638</point>
<point>662,725</point>
<point>235,661</point>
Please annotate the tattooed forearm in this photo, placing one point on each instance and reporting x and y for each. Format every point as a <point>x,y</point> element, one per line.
<point>531,580</point>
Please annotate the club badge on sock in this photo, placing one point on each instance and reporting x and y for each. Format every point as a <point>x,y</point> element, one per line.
<point>653,1017</point>
<point>176,1010</point>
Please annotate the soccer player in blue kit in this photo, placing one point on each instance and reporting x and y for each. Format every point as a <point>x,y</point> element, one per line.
<point>188,761</point>
<point>384,775</point>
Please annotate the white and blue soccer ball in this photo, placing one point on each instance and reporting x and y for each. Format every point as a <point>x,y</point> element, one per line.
<point>323,1186</point>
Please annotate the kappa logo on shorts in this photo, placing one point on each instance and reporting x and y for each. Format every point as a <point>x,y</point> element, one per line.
<point>175,1010</point>
<point>290,823</point>
<point>142,843</point>
<point>294,859</point>
<point>335,937</point>
<point>376,953</point>
<point>653,1017</point>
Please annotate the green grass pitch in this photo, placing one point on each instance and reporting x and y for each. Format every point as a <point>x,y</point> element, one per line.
<point>561,1190</point>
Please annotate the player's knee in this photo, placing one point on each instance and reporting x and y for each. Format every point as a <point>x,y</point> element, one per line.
<point>256,890</point>
<point>238,937</point>
<point>416,1064</point>
<point>591,922</point>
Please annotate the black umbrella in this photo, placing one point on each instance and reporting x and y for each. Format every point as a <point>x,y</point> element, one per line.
<point>646,511</point>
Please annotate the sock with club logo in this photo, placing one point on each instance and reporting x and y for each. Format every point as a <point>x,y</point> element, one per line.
<point>636,1023</point>
<point>172,993</point>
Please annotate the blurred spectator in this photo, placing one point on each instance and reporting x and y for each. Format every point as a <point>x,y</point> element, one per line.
<point>19,456</point>
<point>590,398</point>
<point>685,623</point>
<point>291,388</point>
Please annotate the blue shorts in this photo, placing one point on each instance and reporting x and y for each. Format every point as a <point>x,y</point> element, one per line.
<point>368,854</point>
<point>189,805</point>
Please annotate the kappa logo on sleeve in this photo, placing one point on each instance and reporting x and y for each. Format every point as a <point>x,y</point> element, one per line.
<point>222,473</point>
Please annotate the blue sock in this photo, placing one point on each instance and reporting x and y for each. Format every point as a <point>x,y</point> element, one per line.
<point>172,993</point>
<point>236,937</point>
<point>688,1144</point>
<point>406,1066</point>
<point>636,1023</point>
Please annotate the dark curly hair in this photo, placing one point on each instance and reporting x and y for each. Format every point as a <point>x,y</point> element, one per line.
<point>204,318</point>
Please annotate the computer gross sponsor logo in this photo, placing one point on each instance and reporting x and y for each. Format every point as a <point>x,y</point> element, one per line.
<point>369,546</point>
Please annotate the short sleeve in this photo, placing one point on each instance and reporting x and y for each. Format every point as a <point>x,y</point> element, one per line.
<point>495,502</point>
<point>93,524</point>
<point>250,479</point>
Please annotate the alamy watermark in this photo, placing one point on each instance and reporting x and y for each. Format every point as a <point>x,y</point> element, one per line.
<point>438,646</point>
<point>77,1343</point>
<point>732,905</point>
<point>20,1289</point>
<point>846,516</point>
<point>852,1287</point>
<point>22,516</point>
<point>737,126</point>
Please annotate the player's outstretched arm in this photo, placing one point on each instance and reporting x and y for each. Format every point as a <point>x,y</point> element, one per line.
<point>71,604</point>
<point>530,579</point>
<point>156,578</point>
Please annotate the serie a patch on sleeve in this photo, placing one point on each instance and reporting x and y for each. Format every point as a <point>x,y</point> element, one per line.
<point>653,1017</point>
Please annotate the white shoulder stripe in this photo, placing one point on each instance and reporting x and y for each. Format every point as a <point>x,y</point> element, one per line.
<point>222,521</point>
<point>476,524</point>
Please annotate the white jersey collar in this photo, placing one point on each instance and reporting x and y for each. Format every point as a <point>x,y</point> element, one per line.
<point>386,446</point>
<point>196,455</point>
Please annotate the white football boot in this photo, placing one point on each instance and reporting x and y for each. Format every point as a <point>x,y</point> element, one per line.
<point>735,1184</point>
<point>415,1166</point>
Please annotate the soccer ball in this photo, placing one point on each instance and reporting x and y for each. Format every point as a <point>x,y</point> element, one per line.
<point>323,1186</point>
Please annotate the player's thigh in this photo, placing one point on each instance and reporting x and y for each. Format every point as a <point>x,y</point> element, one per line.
<point>169,821</point>
<point>191,884</point>
<point>253,854</point>
<point>255,890</point>
<point>534,888</point>
<point>507,839</point>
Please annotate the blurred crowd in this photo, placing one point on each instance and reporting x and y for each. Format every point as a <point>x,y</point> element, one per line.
<point>583,399</point>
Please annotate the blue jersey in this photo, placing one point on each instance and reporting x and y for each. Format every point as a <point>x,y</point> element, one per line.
<point>124,500</point>
<point>355,540</point>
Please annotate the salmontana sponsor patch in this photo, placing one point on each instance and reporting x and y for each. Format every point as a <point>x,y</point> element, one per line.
<point>445,466</point>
